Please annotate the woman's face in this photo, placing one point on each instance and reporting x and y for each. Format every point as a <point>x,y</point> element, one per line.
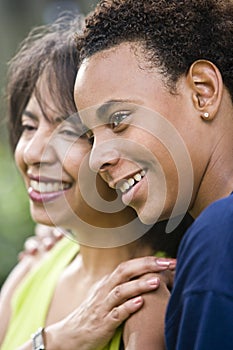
<point>52,156</point>
<point>143,139</point>
<point>49,154</point>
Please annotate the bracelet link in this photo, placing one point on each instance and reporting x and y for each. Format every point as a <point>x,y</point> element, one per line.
<point>37,340</point>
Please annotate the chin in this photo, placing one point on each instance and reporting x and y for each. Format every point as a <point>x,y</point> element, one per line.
<point>42,218</point>
<point>150,213</point>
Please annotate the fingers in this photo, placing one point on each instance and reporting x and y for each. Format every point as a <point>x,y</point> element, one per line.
<point>45,238</point>
<point>139,266</point>
<point>120,313</point>
<point>130,289</point>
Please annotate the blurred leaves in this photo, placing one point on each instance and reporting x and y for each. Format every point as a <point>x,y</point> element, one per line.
<point>15,221</point>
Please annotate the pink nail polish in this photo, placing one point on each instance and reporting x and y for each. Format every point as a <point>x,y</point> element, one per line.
<point>163,262</point>
<point>153,282</point>
<point>137,300</point>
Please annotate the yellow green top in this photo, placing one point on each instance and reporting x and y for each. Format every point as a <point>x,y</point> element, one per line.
<point>32,298</point>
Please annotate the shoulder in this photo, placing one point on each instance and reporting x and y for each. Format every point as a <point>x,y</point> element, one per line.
<point>214,223</point>
<point>205,253</point>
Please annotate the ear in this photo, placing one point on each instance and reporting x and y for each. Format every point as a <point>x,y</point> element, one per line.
<point>206,82</point>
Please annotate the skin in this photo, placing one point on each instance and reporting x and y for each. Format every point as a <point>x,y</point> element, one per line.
<point>110,285</point>
<point>142,95</point>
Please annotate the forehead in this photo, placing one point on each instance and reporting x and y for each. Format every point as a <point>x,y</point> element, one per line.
<point>115,74</point>
<point>46,98</point>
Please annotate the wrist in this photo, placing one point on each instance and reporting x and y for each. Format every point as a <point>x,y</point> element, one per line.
<point>56,337</point>
<point>51,338</point>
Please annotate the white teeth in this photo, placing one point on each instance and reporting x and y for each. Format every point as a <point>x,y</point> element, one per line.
<point>131,181</point>
<point>42,187</point>
<point>50,187</point>
<point>45,187</point>
<point>137,177</point>
<point>127,184</point>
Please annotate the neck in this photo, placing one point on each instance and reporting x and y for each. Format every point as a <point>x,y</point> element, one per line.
<point>98,262</point>
<point>217,181</point>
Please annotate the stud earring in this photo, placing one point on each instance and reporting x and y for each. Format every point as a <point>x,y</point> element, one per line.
<point>206,115</point>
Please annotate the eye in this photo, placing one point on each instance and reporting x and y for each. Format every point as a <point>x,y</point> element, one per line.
<point>90,136</point>
<point>72,131</point>
<point>28,127</point>
<point>117,118</point>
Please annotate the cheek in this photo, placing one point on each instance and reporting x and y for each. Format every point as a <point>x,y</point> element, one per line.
<point>77,159</point>
<point>19,157</point>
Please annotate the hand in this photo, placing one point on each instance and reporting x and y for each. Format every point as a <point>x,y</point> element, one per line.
<point>45,238</point>
<point>109,303</point>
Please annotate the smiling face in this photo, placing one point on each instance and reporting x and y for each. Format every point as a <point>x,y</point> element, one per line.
<point>141,144</point>
<point>49,154</point>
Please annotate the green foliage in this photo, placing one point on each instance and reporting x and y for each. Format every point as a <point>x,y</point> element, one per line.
<point>15,221</point>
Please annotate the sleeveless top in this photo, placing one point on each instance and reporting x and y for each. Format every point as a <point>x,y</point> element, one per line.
<point>31,300</point>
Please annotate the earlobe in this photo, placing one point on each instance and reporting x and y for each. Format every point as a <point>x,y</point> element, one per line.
<point>206,82</point>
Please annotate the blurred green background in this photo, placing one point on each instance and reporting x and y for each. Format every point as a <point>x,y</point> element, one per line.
<point>17,17</point>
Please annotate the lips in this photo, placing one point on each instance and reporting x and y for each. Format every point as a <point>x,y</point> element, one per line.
<point>126,184</point>
<point>46,191</point>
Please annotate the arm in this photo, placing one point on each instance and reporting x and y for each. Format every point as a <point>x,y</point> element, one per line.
<point>35,249</point>
<point>145,329</point>
<point>7,291</point>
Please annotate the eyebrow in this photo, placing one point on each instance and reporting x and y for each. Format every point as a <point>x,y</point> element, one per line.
<point>105,108</point>
<point>29,114</point>
<point>73,119</point>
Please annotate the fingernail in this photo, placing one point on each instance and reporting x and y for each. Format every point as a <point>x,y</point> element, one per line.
<point>137,300</point>
<point>153,282</point>
<point>163,262</point>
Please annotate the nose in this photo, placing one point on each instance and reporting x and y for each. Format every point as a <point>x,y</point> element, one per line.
<point>104,154</point>
<point>39,148</point>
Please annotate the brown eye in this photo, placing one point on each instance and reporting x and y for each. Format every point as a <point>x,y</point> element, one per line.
<point>117,118</point>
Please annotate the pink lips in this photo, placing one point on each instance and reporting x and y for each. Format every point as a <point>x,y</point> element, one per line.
<point>39,197</point>
<point>42,194</point>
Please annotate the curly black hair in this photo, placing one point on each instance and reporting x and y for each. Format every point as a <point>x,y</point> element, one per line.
<point>49,48</point>
<point>173,33</point>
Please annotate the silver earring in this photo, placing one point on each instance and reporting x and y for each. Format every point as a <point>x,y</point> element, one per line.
<point>206,115</point>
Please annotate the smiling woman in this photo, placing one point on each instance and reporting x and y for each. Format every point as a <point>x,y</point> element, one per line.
<point>173,60</point>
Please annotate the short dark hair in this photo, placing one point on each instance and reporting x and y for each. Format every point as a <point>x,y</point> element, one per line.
<point>49,48</point>
<point>173,33</point>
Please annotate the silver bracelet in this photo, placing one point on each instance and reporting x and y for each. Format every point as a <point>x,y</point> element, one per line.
<point>37,340</point>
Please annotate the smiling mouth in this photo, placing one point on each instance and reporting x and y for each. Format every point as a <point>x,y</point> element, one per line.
<point>48,187</point>
<point>126,185</point>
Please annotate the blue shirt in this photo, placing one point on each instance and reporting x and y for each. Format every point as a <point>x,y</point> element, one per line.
<point>200,311</point>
